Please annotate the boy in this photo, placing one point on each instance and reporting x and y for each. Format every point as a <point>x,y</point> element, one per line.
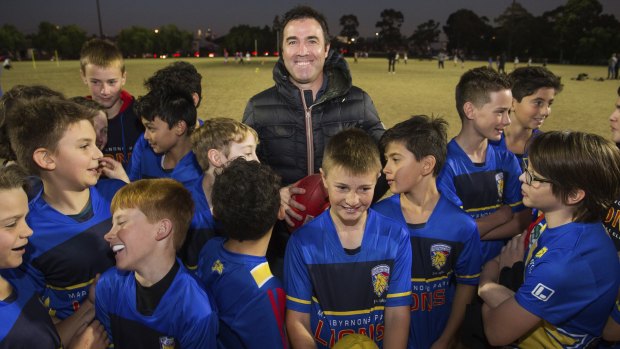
<point>348,270</point>
<point>612,220</point>
<point>100,121</point>
<point>444,239</point>
<point>217,142</point>
<point>69,215</point>
<point>250,300</point>
<point>480,177</point>
<point>169,118</point>
<point>149,300</point>
<point>567,295</point>
<point>533,93</point>
<point>102,69</point>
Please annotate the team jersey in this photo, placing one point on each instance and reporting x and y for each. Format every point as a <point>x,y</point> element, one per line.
<point>25,322</point>
<point>347,293</point>
<point>184,317</point>
<point>481,189</point>
<point>446,251</point>
<point>520,157</point>
<point>611,223</point>
<point>201,229</point>
<point>566,285</point>
<point>249,299</point>
<point>145,163</point>
<point>64,255</point>
<point>123,132</point>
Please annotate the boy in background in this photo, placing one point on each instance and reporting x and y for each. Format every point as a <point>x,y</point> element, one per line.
<point>102,69</point>
<point>478,176</point>
<point>571,177</point>
<point>100,121</point>
<point>249,299</point>
<point>149,300</point>
<point>444,239</point>
<point>69,215</point>
<point>348,270</point>
<point>215,144</point>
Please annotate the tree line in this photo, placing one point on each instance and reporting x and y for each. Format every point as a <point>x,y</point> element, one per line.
<point>577,32</point>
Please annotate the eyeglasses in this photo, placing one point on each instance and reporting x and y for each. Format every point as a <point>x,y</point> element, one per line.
<point>529,177</point>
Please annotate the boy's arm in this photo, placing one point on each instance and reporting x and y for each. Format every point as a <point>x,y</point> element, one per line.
<point>396,327</point>
<point>520,220</point>
<point>611,332</point>
<point>462,297</point>
<point>489,222</point>
<point>507,322</point>
<point>298,329</point>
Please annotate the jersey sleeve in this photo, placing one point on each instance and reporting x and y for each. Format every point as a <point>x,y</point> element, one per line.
<point>552,292</point>
<point>512,186</point>
<point>102,293</point>
<point>445,184</point>
<point>202,331</point>
<point>469,261</point>
<point>35,276</point>
<point>136,156</point>
<point>399,290</point>
<point>297,283</point>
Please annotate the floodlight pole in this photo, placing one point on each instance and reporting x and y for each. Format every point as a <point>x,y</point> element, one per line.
<point>99,17</point>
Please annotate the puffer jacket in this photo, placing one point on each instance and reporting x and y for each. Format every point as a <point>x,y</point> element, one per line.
<point>279,117</point>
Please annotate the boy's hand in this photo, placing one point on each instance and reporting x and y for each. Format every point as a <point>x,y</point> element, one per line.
<point>287,203</point>
<point>513,252</point>
<point>90,336</point>
<point>113,169</point>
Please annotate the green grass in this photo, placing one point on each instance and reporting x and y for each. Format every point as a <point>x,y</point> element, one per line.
<point>416,88</point>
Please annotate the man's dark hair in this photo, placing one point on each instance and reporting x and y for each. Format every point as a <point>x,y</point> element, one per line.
<point>178,76</point>
<point>246,199</point>
<point>526,81</point>
<point>476,85</point>
<point>170,108</point>
<point>423,136</point>
<point>303,12</point>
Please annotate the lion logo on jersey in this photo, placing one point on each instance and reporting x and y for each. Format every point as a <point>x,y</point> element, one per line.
<point>499,182</point>
<point>439,255</point>
<point>217,267</point>
<point>166,343</point>
<point>380,278</point>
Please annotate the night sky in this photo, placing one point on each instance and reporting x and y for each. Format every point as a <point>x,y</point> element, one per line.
<point>220,15</point>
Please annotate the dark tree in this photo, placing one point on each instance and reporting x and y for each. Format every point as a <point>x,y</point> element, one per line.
<point>389,28</point>
<point>349,25</point>
<point>466,31</point>
<point>515,30</point>
<point>11,39</point>
<point>424,35</point>
<point>136,41</point>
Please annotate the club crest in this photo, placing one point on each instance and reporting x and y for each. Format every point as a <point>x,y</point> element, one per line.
<point>499,181</point>
<point>380,279</point>
<point>439,255</point>
<point>217,267</point>
<point>166,343</point>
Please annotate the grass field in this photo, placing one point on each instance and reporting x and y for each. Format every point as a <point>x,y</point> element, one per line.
<point>416,88</point>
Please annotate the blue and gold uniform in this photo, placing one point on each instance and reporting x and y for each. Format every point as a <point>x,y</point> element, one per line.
<point>249,299</point>
<point>612,223</point>
<point>446,251</point>
<point>65,253</point>
<point>566,285</point>
<point>482,188</point>
<point>346,291</point>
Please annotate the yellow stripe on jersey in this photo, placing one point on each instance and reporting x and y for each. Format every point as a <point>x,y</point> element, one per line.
<point>468,276</point>
<point>548,336</point>
<point>482,208</point>
<point>72,287</point>
<point>261,274</point>
<point>516,204</point>
<point>396,295</point>
<point>353,312</point>
<point>191,267</point>
<point>297,300</point>
<point>432,279</point>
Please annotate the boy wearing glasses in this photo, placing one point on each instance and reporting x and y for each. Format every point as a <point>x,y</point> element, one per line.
<point>572,271</point>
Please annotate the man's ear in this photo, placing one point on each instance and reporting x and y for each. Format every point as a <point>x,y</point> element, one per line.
<point>216,158</point>
<point>44,159</point>
<point>469,109</point>
<point>326,50</point>
<point>164,229</point>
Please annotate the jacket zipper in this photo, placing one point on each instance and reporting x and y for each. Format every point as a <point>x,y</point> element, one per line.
<point>309,134</point>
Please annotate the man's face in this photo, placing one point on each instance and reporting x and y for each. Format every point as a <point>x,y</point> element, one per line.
<point>304,52</point>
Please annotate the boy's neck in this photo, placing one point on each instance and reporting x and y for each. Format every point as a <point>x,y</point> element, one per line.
<point>418,204</point>
<point>153,270</point>
<point>350,236</point>
<point>517,137</point>
<point>177,152</point>
<point>67,202</point>
<point>113,111</point>
<point>5,289</point>
<point>256,248</point>
<point>473,144</point>
<point>207,183</point>
<point>558,217</point>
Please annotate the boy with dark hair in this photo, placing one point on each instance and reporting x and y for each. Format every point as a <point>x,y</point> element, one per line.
<point>348,270</point>
<point>566,296</point>
<point>216,143</point>
<point>250,300</point>
<point>481,177</point>
<point>103,70</point>
<point>149,300</point>
<point>169,119</point>
<point>533,93</point>
<point>69,215</point>
<point>444,239</point>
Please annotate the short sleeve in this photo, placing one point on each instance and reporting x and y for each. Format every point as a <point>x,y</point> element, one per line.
<point>297,283</point>
<point>399,290</point>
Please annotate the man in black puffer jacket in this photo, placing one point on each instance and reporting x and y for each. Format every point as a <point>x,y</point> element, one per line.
<point>312,100</point>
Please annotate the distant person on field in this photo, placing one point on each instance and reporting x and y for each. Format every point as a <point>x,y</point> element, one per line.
<point>611,66</point>
<point>391,56</point>
<point>103,70</point>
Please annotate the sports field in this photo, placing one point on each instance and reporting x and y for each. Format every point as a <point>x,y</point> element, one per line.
<point>416,88</point>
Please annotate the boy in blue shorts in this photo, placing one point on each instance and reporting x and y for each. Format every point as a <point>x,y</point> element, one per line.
<point>348,270</point>
<point>169,118</point>
<point>102,70</point>
<point>572,271</point>
<point>149,300</point>
<point>250,300</point>
<point>71,213</point>
<point>444,240</point>
<point>217,142</point>
<point>480,177</point>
